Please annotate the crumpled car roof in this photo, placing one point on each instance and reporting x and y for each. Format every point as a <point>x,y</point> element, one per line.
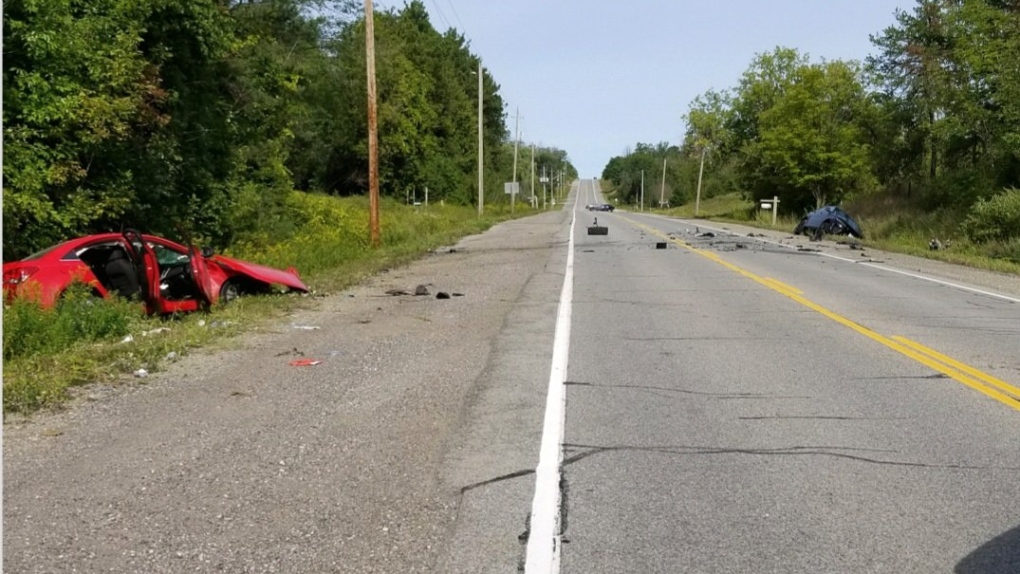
<point>830,214</point>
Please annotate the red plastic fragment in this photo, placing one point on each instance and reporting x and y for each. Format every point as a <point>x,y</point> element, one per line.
<point>304,362</point>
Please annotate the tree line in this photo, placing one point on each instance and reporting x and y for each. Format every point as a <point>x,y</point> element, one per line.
<point>197,118</point>
<point>933,116</point>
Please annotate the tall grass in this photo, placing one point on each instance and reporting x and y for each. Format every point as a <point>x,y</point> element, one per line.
<point>34,338</point>
<point>729,206</point>
<point>332,249</point>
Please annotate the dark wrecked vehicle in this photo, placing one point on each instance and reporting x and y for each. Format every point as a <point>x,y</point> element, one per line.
<point>166,276</point>
<point>829,220</point>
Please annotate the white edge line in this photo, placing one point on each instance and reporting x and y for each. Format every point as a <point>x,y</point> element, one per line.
<point>883,268</point>
<point>941,282</point>
<point>543,553</point>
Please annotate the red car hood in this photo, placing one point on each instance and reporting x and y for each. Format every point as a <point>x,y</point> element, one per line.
<point>287,278</point>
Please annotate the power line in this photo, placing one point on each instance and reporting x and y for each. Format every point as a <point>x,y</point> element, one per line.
<point>441,15</point>
<point>457,16</point>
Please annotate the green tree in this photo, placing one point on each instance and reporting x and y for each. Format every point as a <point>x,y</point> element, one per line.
<point>76,90</point>
<point>942,70</point>
<point>645,161</point>
<point>759,88</point>
<point>812,149</point>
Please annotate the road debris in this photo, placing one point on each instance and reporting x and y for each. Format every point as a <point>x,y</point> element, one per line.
<point>305,362</point>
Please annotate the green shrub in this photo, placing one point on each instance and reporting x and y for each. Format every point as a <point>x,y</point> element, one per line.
<point>79,318</point>
<point>994,219</point>
<point>1006,250</point>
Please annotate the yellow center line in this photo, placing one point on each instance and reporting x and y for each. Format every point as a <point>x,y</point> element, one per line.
<point>960,372</point>
<point>780,286</point>
<point>962,367</point>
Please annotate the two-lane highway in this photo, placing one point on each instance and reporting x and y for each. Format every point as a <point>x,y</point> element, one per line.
<point>735,406</point>
<point>591,404</point>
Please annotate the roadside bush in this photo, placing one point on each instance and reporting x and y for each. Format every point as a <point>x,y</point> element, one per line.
<point>956,190</point>
<point>994,219</point>
<point>1007,250</point>
<point>79,318</point>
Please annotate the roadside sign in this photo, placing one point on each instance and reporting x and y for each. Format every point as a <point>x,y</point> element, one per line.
<point>512,187</point>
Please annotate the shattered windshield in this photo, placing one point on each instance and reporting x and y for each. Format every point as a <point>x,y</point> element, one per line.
<point>167,256</point>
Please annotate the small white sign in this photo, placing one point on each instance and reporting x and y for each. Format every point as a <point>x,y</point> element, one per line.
<point>766,205</point>
<point>512,187</point>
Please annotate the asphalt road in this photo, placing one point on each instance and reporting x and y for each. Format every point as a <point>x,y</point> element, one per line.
<point>732,404</point>
<point>736,405</point>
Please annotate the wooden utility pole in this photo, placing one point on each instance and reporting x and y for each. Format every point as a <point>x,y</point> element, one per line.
<point>517,138</point>
<point>701,171</point>
<point>373,129</point>
<point>534,201</point>
<point>544,180</point>
<point>481,188</point>
<point>662,192</point>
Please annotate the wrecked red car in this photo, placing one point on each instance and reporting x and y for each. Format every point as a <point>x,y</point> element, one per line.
<point>166,276</point>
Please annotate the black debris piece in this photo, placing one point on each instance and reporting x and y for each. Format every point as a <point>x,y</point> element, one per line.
<point>442,295</point>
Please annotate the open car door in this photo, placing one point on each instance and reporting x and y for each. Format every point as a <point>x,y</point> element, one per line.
<point>200,273</point>
<point>146,269</point>
<point>149,277</point>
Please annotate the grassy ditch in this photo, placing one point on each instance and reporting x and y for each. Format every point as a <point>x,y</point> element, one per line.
<point>48,352</point>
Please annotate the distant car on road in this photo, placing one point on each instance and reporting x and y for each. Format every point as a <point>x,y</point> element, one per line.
<point>603,207</point>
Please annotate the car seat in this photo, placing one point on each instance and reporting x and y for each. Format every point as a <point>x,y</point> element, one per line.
<point>122,275</point>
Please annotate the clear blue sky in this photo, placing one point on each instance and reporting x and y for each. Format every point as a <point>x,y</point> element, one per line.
<point>594,77</point>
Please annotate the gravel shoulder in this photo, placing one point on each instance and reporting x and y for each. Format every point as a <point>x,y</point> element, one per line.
<point>237,461</point>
